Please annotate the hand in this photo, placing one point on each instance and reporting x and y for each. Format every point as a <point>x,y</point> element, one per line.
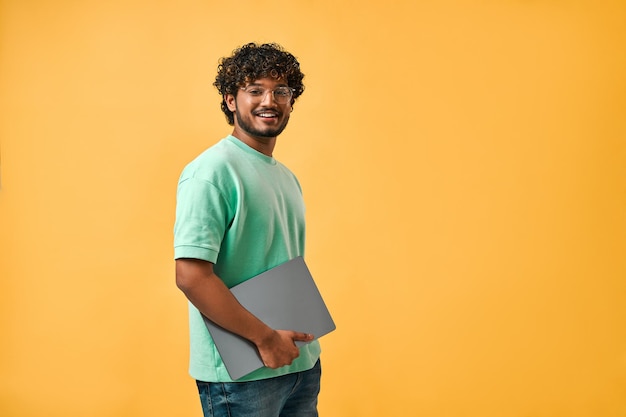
<point>279,348</point>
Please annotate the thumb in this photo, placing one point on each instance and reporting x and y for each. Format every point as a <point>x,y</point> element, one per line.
<point>302,337</point>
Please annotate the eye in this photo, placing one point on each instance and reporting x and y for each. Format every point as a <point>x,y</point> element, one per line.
<point>255,91</point>
<point>282,92</point>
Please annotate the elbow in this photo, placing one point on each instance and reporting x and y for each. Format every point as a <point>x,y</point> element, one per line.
<point>190,274</point>
<point>184,280</point>
<point>181,282</point>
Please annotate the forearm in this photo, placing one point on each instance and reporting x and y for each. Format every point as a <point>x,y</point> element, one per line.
<point>206,291</point>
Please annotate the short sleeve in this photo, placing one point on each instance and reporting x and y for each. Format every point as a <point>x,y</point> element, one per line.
<point>202,216</point>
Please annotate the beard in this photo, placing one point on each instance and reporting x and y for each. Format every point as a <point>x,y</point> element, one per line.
<point>245,123</point>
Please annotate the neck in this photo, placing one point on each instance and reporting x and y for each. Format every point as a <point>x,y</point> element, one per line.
<point>260,144</point>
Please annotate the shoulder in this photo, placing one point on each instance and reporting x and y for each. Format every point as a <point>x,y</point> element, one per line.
<point>214,163</point>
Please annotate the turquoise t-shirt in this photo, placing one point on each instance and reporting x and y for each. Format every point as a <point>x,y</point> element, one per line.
<point>243,211</point>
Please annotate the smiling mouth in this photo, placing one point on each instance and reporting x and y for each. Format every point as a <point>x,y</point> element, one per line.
<point>266,114</point>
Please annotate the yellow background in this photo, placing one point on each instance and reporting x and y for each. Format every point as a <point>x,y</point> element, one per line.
<point>464,168</point>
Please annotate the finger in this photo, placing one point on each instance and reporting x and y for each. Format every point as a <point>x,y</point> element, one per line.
<point>302,337</point>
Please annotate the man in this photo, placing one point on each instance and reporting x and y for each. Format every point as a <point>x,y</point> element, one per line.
<point>240,212</point>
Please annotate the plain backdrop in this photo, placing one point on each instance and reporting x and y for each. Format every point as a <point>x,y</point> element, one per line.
<point>464,170</point>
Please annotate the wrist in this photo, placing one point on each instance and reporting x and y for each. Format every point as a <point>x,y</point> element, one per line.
<point>263,337</point>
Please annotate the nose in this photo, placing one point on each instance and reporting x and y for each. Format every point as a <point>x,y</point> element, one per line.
<point>268,98</point>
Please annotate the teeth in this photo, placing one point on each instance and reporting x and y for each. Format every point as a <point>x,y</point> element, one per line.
<point>267,115</point>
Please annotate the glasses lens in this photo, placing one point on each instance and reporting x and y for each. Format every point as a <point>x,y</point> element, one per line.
<point>282,95</point>
<point>255,92</point>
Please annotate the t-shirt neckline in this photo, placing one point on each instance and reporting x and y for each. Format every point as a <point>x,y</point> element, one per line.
<point>251,151</point>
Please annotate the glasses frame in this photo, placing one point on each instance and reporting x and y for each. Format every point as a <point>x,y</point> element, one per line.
<point>260,98</point>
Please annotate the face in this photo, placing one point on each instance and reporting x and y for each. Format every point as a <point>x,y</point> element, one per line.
<point>260,118</point>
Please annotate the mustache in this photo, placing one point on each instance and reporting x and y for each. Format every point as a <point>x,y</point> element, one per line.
<point>267,110</point>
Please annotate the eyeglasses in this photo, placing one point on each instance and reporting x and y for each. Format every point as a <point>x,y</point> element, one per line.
<point>281,95</point>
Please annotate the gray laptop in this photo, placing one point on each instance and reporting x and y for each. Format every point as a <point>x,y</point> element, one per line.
<point>284,298</point>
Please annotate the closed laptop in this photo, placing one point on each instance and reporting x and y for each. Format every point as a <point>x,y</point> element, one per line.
<point>284,298</point>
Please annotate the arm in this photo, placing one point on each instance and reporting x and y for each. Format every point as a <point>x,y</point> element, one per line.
<point>207,292</point>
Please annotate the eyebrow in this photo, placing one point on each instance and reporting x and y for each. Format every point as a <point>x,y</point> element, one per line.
<point>277,85</point>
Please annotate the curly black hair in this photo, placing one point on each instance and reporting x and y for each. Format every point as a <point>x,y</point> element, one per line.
<point>253,61</point>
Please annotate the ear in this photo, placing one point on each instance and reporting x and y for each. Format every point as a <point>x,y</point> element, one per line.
<point>230,102</point>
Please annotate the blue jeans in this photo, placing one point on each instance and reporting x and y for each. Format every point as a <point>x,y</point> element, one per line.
<point>292,395</point>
